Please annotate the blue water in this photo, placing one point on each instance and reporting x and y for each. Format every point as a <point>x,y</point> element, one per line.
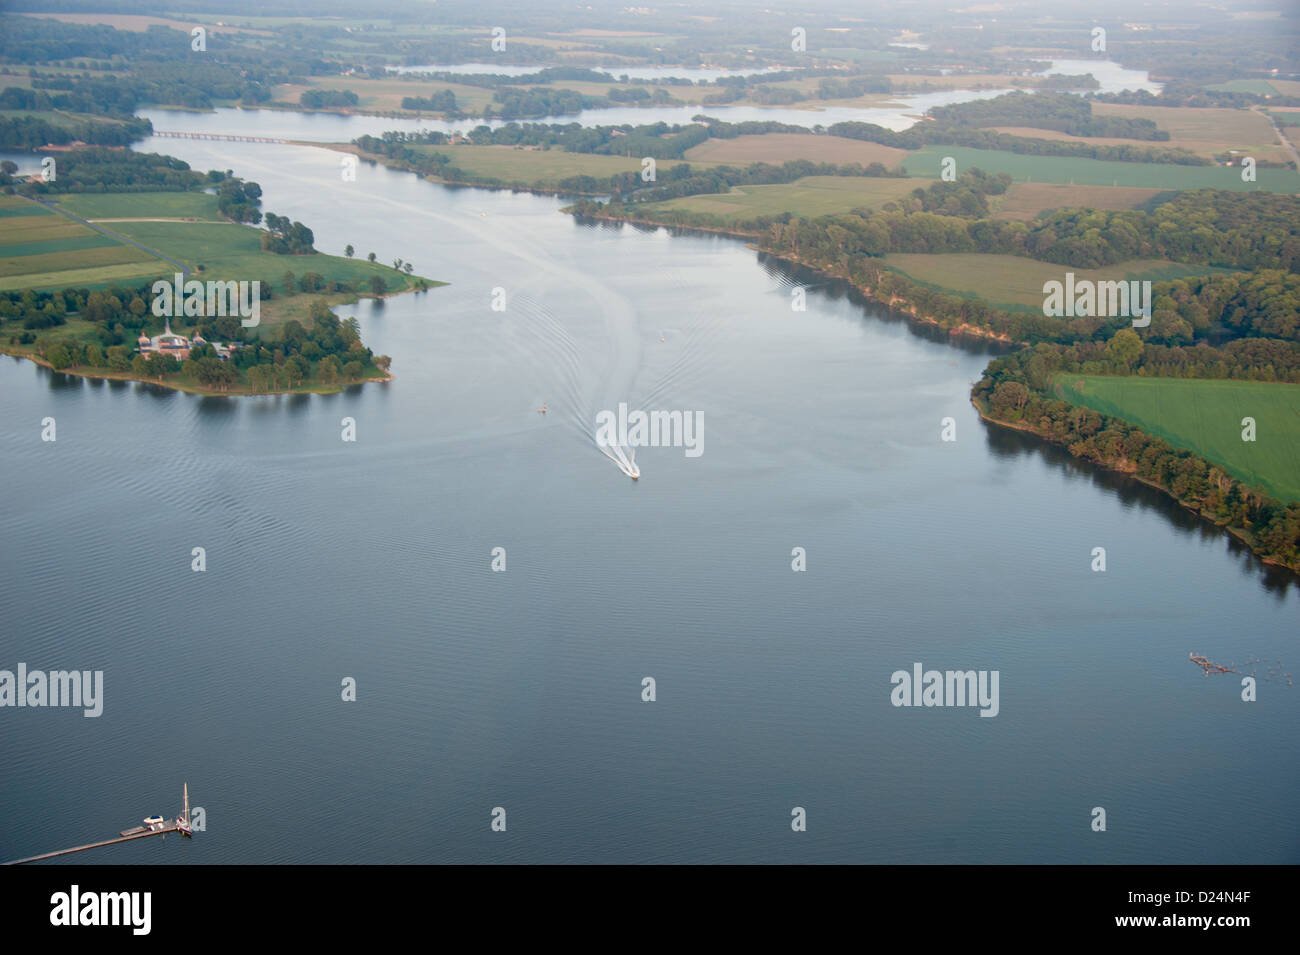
<point>522,689</point>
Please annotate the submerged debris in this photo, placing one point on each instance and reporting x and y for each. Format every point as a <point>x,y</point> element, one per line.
<point>1208,665</point>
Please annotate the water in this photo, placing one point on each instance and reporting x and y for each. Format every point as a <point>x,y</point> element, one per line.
<point>334,127</point>
<point>522,689</point>
<point>28,163</point>
<point>694,74</point>
<point>1112,77</point>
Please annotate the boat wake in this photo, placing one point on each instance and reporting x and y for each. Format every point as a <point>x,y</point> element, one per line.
<point>626,462</point>
<point>586,382</point>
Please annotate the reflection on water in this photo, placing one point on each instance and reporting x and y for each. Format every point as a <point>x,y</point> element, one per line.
<point>1013,443</point>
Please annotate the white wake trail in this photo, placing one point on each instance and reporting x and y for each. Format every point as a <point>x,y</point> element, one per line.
<point>624,355</point>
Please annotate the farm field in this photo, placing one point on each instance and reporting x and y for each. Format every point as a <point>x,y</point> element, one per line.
<point>1205,416</point>
<point>1094,172</point>
<point>386,95</point>
<point>139,23</point>
<point>780,147</point>
<point>1026,200</point>
<point>42,249</point>
<point>1206,132</point>
<point>134,205</point>
<point>1259,87</point>
<point>810,196</point>
<point>48,250</point>
<point>541,168</point>
<point>1286,87</point>
<point>230,251</point>
<point>1011,280</point>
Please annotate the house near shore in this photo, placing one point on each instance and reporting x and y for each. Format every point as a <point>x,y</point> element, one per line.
<point>178,346</point>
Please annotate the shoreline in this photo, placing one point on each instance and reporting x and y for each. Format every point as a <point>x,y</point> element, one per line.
<point>389,163</point>
<point>894,303</point>
<point>189,388</point>
<point>1239,533</point>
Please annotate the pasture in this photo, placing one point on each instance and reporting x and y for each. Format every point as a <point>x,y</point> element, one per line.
<point>1010,280</point>
<point>1205,416</point>
<point>1095,172</point>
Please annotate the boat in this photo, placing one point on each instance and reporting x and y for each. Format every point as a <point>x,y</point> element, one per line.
<point>154,822</point>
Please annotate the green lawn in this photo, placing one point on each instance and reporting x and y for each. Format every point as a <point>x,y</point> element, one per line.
<point>810,196</point>
<point>1094,172</point>
<point>1205,417</point>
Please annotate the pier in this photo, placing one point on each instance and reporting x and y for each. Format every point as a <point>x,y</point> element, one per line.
<point>1207,665</point>
<point>180,824</point>
<point>226,137</point>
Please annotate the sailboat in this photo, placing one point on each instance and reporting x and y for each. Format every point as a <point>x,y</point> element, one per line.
<point>183,822</point>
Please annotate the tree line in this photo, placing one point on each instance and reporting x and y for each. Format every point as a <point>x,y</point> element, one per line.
<point>1059,111</point>
<point>926,134</point>
<point>1014,390</point>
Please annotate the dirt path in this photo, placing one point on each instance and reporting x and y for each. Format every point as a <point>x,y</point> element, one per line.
<point>1295,157</point>
<point>190,219</point>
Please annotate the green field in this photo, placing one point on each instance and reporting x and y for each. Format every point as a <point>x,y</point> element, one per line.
<point>1094,172</point>
<point>41,249</point>
<point>20,231</point>
<point>1205,417</point>
<point>132,205</point>
<point>1259,87</point>
<point>230,251</point>
<point>810,196</point>
<point>11,207</point>
<point>47,250</point>
<point>540,168</point>
<point>26,257</point>
<point>1011,280</point>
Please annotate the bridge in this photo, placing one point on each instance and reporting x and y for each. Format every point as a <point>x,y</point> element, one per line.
<point>226,137</point>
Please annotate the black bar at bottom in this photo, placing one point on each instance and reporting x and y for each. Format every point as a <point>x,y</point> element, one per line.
<point>368,902</point>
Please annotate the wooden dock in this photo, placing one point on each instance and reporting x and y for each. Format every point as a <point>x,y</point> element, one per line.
<point>173,826</point>
<point>180,824</point>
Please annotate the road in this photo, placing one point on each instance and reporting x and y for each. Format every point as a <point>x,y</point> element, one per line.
<point>54,207</point>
